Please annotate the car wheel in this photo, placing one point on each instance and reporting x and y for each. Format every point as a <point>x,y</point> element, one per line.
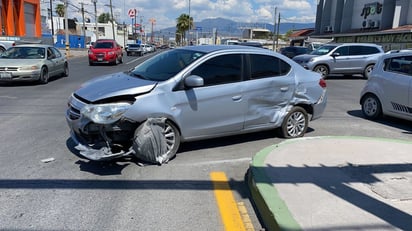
<point>91,63</point>
<point>367,71</point>
<point>66,70</point>
<point>44,75</point>
<point>295,123</point>
<point>371,107</point>
<point>121,59</point>
<point>322,69</point>
<point>172,136</point>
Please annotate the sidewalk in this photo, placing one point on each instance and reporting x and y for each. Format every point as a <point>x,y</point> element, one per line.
<point>334,183</point>
<point>74,52</point>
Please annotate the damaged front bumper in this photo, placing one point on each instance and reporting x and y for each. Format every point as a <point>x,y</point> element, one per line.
<point>101,154</point>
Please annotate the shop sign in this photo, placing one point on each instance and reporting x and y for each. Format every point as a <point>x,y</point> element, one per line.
<point>371,9</point>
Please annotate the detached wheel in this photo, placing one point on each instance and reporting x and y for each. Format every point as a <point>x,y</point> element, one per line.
<point>368,70</point>
<point>371,107</point>
<point>44,75</point>
<point>295,123</point>
<point>322,69</point>
<point>172,138</point>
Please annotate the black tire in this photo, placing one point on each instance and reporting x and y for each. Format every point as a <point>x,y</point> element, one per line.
<point>121,59</point>
<point>295,123</point>
<point>322,69</point>
<point>371,107</point>
<point>172,136</point>
<point>91,63</point>
<point>44,75</point>
<point>66,70</point>
<point>367,71</point>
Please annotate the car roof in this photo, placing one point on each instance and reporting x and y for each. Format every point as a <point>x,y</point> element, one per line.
<point>33,45</point>
<point>213,48</point>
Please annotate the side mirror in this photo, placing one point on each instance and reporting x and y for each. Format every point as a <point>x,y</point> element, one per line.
<point>193,81</point>
<point>335,54</point>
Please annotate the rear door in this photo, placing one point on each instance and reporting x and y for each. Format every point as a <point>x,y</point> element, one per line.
<point>268,90</point>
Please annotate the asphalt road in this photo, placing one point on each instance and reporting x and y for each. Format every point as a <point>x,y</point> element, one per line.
<point>72,193</point>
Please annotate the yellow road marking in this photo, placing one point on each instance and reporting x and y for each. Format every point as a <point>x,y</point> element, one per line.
<point>229,211</point>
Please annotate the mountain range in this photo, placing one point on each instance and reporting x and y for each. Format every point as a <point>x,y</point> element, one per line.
<point>228,28</point>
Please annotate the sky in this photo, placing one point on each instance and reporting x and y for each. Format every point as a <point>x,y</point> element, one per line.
<point>163,13</point>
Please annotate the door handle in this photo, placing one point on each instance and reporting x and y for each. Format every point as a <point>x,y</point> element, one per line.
<point>283,89</point>
<point>237,97</point>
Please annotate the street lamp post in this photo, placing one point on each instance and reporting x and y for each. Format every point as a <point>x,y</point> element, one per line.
<point>111,13</point>
<point>51,17</point>
<point>66,25</point>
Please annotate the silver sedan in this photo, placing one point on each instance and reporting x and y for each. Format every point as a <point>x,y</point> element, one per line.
<point>32,62</point>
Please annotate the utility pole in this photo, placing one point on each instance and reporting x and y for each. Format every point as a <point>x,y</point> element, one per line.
<point>95,19</point>
<point>274,30</point>
<point>84,26</point>
<point>66,25</point>
<point>277,33</point>
<point>51,19</point>
<point>152,21</point>
<point>111,13</point>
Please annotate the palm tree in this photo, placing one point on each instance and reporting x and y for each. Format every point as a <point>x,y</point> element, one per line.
<point>183,24</point>
<point>60,10</point>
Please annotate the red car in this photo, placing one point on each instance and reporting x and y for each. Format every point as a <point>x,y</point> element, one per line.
<point>105,51</point>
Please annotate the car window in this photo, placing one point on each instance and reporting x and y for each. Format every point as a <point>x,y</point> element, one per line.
<point>264,66</point>
<point>220,70</point>
<point>103,45</point>
<point>368,50</point>
<point>165,65</point>
<point>323,50</point>
<point>56,52</point>
<point>402,65</point>
<point>342,50</point>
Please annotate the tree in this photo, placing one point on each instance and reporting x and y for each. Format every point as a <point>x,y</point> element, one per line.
<point>104,18</point>
<point>183,24</point>
<point>60,10</point>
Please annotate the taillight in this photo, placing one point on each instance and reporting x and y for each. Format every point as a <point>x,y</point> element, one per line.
<point>322,83</point>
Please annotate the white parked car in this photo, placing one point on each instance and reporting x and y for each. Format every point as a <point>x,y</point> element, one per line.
<point>388,91</point>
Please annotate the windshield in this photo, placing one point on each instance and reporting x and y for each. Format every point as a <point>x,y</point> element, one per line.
<point>323,50</point>
<point>165,65</point>
<point>103,45</point>
<point>24,53</point>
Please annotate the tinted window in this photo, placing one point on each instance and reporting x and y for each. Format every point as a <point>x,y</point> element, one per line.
<point>362,50</point>
<point>323,50</point>
<point>342,50</point>
<point>103,45</point>
<point>401,64</point>
<point>56,52</point>
<point>263,66</point>
<point>220,70</point>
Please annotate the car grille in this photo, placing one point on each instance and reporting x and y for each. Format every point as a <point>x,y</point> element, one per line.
<point>75,105</point>
<point>8,68</point>
<point>99,55</point>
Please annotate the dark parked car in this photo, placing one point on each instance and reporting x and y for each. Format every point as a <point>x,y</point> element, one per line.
<point>199,92</point>
<point>105,51</point>
<point>293,51</point>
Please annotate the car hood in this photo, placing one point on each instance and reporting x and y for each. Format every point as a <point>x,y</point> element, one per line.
<point>113,85</point>
<point>18,62</point>
<point>305,57</point>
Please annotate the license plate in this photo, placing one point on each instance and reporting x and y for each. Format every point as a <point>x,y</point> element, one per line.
<point>99,59</point>
<point>5,75</point>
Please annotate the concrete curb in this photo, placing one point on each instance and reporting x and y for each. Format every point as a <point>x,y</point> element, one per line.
<point>273,210</point>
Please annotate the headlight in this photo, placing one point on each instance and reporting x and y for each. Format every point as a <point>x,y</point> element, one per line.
<point>110,53</point>
<point>29,68</point>
<point>105,113</point>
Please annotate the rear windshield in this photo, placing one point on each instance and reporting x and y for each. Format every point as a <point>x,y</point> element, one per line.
<point>134,45</point>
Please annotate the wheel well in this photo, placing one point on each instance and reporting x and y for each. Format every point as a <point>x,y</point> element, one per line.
<point>307,108</point>
<point>368,94</point>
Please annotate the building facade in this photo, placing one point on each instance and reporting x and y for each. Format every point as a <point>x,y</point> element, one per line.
<point>384,22</point>
<point>20,18</point>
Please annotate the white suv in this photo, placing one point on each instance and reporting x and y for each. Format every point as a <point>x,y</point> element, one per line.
<point>342,58</point>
